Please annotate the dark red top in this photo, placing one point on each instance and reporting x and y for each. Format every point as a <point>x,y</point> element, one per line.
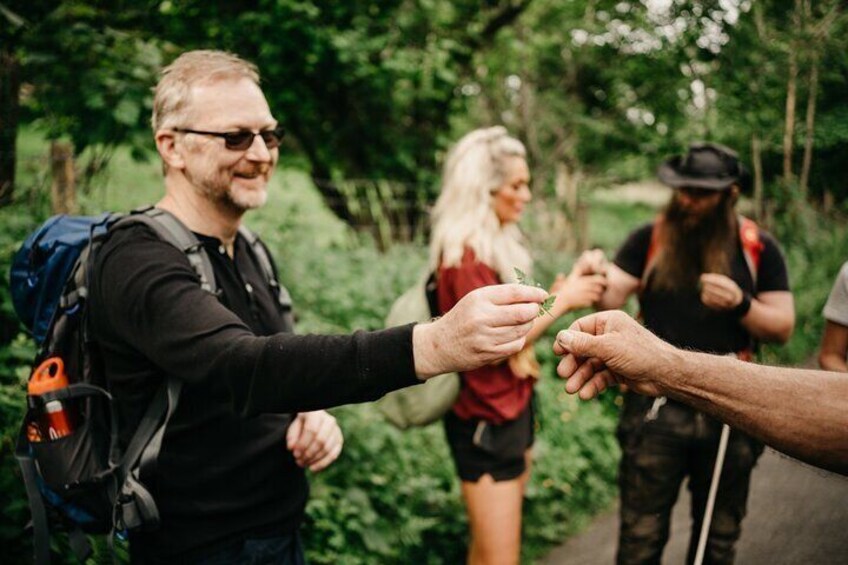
<point>493,392</point>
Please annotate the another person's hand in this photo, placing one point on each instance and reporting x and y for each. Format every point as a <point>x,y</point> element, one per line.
<point>486,325</point>
<point>720,292</point>
<point>315,440</point>
<point>577,291</point>
<point>608,348</point>
<point>591,262</point>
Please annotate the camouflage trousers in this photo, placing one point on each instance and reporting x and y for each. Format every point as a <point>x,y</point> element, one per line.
<point>659,449</point>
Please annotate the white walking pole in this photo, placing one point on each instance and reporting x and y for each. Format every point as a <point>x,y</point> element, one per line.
<point>708,511</point>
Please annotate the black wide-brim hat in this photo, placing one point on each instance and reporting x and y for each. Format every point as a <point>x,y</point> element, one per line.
<point>705,165</point>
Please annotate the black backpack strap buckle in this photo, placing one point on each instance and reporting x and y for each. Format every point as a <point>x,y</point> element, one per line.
<point>135,508</point>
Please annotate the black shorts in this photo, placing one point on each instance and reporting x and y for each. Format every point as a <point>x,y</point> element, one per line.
<point>479,447</point>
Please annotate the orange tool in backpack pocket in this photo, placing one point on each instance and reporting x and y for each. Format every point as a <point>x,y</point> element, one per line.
<point>56,421</point>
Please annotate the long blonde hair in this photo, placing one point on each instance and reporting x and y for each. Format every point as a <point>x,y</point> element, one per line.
<point>464,215</point>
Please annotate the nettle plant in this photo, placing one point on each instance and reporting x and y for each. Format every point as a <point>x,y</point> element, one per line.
<point>545,307</point>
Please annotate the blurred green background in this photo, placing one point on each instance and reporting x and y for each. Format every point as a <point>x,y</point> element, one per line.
<point>372,94</point>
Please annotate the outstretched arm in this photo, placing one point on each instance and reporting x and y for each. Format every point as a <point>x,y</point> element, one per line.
<point>801,412</point>
<point>147,295</point>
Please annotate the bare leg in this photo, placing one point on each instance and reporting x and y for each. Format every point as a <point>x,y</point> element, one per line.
<point>494,514</point>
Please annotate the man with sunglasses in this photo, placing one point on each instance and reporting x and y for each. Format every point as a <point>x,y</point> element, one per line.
<point>230,481</point>
<point>707,280</point>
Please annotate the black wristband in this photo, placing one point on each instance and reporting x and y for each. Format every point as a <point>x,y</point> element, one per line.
<point>742,308</point>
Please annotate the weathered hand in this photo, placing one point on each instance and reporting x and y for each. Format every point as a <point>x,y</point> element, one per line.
<point>608,348</point>
<point>720,292</point>
<point>315,439</point>
<point>487,325</point>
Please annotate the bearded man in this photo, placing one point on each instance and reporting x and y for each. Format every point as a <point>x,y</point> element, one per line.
<point>707,280</point>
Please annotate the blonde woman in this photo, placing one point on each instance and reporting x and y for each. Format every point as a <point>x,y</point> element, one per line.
<point>476,242</point>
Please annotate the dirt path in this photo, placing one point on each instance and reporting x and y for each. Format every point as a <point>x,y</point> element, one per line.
<point>796,515</point>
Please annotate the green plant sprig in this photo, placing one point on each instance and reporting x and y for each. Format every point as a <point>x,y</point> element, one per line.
<point>545,307</point>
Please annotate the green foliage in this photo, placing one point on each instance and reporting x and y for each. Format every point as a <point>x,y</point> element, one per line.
<point>378,90</point>
<point>815,250</point>
<point>16,351</point>
<point>88,68</point>
<point>394,497</point>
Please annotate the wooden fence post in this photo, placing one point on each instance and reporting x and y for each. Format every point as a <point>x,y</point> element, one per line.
<point>63,196</point>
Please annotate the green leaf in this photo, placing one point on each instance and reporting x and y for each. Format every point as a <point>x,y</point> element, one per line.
<point>519,274</point>
<point>545,307</point>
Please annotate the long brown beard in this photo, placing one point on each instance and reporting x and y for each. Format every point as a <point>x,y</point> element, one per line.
<point>690,247</point>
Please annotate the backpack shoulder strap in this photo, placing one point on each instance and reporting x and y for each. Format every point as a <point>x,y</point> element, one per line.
<point>173,231</point>
<point>30,474</point>
<point>752,245</point>
<point>260,251</point>
<point>135,506</point>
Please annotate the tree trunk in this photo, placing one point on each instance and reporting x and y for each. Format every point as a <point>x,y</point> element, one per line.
<point>791,91</point>
<point>810,128</point>
<point>789,126</point>
<point>565,185</point>
<point>757,160</point>
<point>827,201</point>
<point>526,108</point>
<point>10,85</point>
<point>63,196</point>
<point>583,227</point>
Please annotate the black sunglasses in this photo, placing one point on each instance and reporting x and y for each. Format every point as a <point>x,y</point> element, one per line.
<point>242,139</point>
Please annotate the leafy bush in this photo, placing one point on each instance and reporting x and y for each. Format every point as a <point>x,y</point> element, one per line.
<point>815,248</point>
<point>393,497</point>
<point>16,351</point>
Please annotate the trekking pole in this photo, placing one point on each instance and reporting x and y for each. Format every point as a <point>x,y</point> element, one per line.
<point>708,511</point>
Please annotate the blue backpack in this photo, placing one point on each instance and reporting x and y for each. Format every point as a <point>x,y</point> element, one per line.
<point>78,480</point>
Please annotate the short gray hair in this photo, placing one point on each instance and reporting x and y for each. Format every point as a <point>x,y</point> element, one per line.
<point>173,92</point>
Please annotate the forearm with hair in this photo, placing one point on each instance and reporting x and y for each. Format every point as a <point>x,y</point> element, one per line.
<point>803,413</point>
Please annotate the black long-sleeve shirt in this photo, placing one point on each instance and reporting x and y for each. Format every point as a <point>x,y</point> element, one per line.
<point>224,472</point>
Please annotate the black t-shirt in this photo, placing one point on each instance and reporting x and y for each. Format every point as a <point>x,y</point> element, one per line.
<point>224,472</point>
<point>681,318</point>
